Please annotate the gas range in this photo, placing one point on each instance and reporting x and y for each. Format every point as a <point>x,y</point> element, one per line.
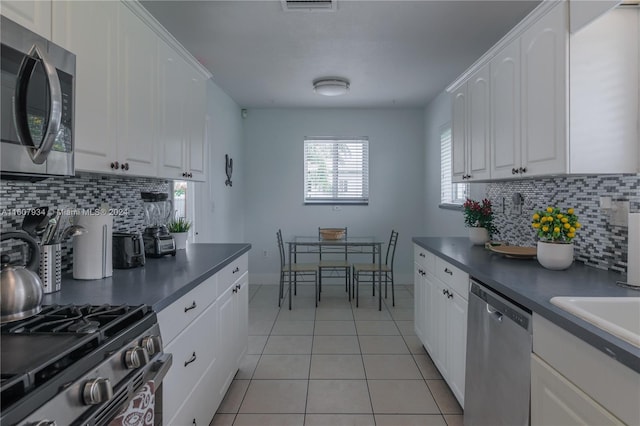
<point>77,364</point>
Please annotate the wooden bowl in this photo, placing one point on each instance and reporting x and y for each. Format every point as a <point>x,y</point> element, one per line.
<point>332,234</point>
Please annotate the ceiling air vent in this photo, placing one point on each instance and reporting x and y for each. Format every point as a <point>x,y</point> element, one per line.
<point>308,5</point>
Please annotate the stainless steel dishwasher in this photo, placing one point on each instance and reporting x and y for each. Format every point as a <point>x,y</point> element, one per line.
<point>498,374</point>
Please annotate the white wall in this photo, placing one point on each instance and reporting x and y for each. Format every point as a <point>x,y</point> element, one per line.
<point>440,222</point>
<point>273,170</point>
<point>219,208</point>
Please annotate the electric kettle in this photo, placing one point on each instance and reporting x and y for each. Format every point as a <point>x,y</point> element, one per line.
<point>20,286</point>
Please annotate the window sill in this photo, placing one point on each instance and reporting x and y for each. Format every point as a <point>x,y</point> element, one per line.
<point>449,206</point>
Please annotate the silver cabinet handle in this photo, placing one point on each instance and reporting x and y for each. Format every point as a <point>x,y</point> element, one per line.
<point>237,269</point>
<point>37,54</point>
<point>448,271</point>
<point>193,306</point>
<point>190,360</point>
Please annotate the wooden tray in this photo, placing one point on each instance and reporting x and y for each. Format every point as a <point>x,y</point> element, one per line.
<point>515,252</point>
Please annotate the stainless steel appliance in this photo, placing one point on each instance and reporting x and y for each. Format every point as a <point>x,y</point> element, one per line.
<point>158,210</point>
<point>37,109</point>
<point>498,372</point>
<point>78,365</point>
<point>21,288</point>
<point>128,250</point>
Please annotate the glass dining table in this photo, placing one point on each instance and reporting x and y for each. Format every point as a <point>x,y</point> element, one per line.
<point>360,245</point>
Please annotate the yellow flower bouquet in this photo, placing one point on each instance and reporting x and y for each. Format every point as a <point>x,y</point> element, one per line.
<point>555,225</point>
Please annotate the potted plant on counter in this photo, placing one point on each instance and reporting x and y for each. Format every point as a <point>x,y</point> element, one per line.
<point>556,230</point>
<point>478,217</point>
<point>179,229</point>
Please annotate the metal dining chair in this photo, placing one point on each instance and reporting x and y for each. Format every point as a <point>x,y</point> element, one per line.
<point>303,270</point>
<point>367,272</point>
<point>333,259</point>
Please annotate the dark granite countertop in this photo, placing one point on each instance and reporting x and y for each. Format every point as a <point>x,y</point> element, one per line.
<point>159,283</point>
<point>531,285</point>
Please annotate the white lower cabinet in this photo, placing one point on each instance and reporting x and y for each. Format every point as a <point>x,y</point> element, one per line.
<point>193,352</point>
<point>557,401</point>
<point>206,331</point>
<point>573,383</point>
<point>441,318</point>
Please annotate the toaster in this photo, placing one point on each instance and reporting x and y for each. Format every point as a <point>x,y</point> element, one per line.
<point>128,250</point>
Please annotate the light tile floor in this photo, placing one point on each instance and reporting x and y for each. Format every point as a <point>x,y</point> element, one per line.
<point>335,365</point>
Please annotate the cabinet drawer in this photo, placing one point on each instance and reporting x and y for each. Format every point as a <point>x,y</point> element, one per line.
<point>232,272</point>
<point>423,257</point>
<point>193,352</point>
<point>454,277</point>
<point>175,317</point>
<point>200,406</point>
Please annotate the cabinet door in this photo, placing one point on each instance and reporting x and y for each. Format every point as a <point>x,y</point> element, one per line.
<point>432,322</point>
<point>556,401</point>
<point>419,311</point>
<point>457,344</point>
<point>439,306</point>
<point>505,111</point>
<point>197,153</point>
<point>478,114</point>
<point>172,86</point>
<point>136,100</point>
<point>459,134</point>
<point>194,351</point>
<point>34,15</point>
<point>544,98</point>
<point>89,29</point>
<point>242,319</point>
<point>200,405</point>
<point>227,339</point>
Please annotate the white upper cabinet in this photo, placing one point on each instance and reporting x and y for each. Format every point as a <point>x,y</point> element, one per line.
<point>32,14</point>
<point>140,103</point>
<point>196,149</point>
<point>558,103</point>
<point>470,128</point>
<point>81,27</point>
<point>478,144</point>
<point>182,91</point>
<point>136,95</point>
<point>459,134</point>
<point>604,94</point>
<point>505,111</point>
<point>172,87</point>
<point>544,94</point>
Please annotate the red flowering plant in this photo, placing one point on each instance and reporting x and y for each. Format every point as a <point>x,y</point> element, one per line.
<point>479,215</point>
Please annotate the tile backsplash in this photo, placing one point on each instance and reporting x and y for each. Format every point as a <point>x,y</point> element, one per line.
<point>598,243</point>
<point>84,191</point>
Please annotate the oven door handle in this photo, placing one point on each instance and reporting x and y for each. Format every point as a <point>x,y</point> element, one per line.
<point>37,54</point>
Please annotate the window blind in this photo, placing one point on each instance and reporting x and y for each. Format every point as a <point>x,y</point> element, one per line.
<point>336,171</point>
<point>450,193</point>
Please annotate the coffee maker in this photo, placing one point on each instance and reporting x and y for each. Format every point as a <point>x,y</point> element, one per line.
<point>158,209</point>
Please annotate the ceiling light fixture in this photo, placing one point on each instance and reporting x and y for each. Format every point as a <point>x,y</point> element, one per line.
<point>331,86</point>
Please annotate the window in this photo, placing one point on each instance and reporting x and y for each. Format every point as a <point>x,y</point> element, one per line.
<point>180,190</point>
<point>450,193</point>
<point>336,171</point>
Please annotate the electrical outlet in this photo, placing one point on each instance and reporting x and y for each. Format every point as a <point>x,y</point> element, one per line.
<point>620,213</point>
<point>265,253</point>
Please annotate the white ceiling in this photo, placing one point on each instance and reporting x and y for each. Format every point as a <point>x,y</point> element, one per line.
<point>395,53</point>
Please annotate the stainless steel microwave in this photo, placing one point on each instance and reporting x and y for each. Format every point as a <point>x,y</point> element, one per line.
<point>37,109</point>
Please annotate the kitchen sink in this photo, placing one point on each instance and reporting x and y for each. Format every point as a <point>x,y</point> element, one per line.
<point>619,316</point>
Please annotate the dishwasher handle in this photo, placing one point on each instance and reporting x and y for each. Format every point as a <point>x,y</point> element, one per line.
<point>495,314</point>
<point>500,307</point>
